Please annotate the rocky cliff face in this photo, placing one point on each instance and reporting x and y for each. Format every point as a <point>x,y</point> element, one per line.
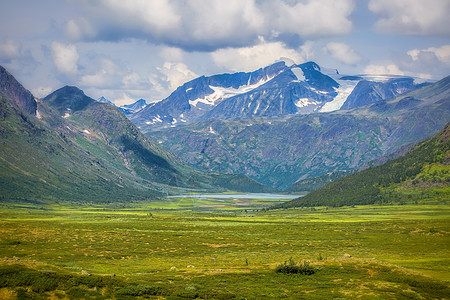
<point>14,91</point>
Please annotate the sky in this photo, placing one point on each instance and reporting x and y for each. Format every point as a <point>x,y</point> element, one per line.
<point>125,50</point>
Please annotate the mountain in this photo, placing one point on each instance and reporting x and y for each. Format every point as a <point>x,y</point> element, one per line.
<point>80,150</point>
<point>133,108</point>
<point>13,91</point>
<point>369,92</point>
<point>127,109</point>
<point>104,100</point>
<point>193,99</point>
<point>281,151</point>
<point>298,89</point>
<point>422,173</point>
<point>278,90</point>
<point>313,183</point>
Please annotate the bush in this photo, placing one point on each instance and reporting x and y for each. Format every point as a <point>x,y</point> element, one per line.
<point>292,268</point>
<point>138,290</point>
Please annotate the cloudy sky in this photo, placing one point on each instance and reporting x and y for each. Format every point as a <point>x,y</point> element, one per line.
<point>130,49</point>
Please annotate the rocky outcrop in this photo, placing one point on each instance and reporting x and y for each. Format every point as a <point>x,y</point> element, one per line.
<point>14,91</point>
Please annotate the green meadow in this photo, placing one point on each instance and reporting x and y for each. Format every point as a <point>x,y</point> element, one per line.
<point>215,248</point>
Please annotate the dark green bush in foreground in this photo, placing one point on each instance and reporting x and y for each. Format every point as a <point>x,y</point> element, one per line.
<point>291,267</point>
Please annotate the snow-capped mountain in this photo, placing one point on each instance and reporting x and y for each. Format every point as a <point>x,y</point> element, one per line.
<point>104,100</point>
<point>278,90</point>
<point>299,89</point>
<point>128,109</point>
<point>368,92</point>
<point>133,108</point>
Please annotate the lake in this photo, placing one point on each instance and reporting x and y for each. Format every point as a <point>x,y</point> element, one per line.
<point>239,196</point>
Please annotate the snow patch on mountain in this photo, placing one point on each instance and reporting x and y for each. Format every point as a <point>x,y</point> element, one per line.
<point>303,102</point>
<point>211,130</point>
<point>287,61</point>
<point>156,119</point>
<point>345,89</point>
<point>298,72</point>
<point>221,93</point>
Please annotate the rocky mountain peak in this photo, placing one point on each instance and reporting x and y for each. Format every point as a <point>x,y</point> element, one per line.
<point>13,90</point>
<point>68,99</point>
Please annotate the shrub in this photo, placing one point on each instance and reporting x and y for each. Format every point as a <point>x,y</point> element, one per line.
<point>138,290</point>
<point>291,267</point>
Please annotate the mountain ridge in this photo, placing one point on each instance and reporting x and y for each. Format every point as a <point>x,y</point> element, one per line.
<point>281,151</point>
<point>91,153</point>
<point>12,89</point>
<point>277,90</point>
<point>421,173</point>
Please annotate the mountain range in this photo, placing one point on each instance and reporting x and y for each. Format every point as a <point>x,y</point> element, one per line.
<point>279,90</point>
<point>282,125</point>
<point>127,109</point>
<point>67,146</point>
<point>278,151</point>
<point>422,172</point>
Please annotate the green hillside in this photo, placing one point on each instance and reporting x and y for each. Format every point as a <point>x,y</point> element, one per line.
<point>78,150</point>
<point>313,183</point>
<point>421,174</point>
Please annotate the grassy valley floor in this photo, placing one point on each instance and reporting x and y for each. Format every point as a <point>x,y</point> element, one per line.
<point>373,252</point>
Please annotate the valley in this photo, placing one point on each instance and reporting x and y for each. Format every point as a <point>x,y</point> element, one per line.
<point>172,252</point>
<point>225,150</point>
<point>91,208</point>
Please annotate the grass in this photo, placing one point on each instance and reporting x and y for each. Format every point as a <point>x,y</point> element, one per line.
<point>371,251</point>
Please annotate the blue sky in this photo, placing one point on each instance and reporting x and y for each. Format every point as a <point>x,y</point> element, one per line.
<point>126,50</point>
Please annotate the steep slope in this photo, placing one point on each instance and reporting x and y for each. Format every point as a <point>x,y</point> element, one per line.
<point>13,91</point>
<point>422,173</point>
<point>279,152</point>
<point>106,126</point>
<point>39,163</point>
<point>314,183</point>
<point>88,151</point>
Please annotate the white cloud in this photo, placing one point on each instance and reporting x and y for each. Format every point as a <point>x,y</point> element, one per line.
<point>254,57</point>
<point>65,58</point>
<point>433,62</point>
<point>123,100</point>
<point>311,18</point>
<point>131,80</point>
<point>442,53</point>
<point>429,63</point>
<point>154,16</point>
<point>210,24</point>
<point>42,91</point>
<point>79,28</point>
<point>108,74</point>
<point>343,53</point>
<point>389,69</point>
<point>414,17</point>
<point>171,53</point>
<point>175,74</point>
<point>307,51</point>
<point>9,49</point>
